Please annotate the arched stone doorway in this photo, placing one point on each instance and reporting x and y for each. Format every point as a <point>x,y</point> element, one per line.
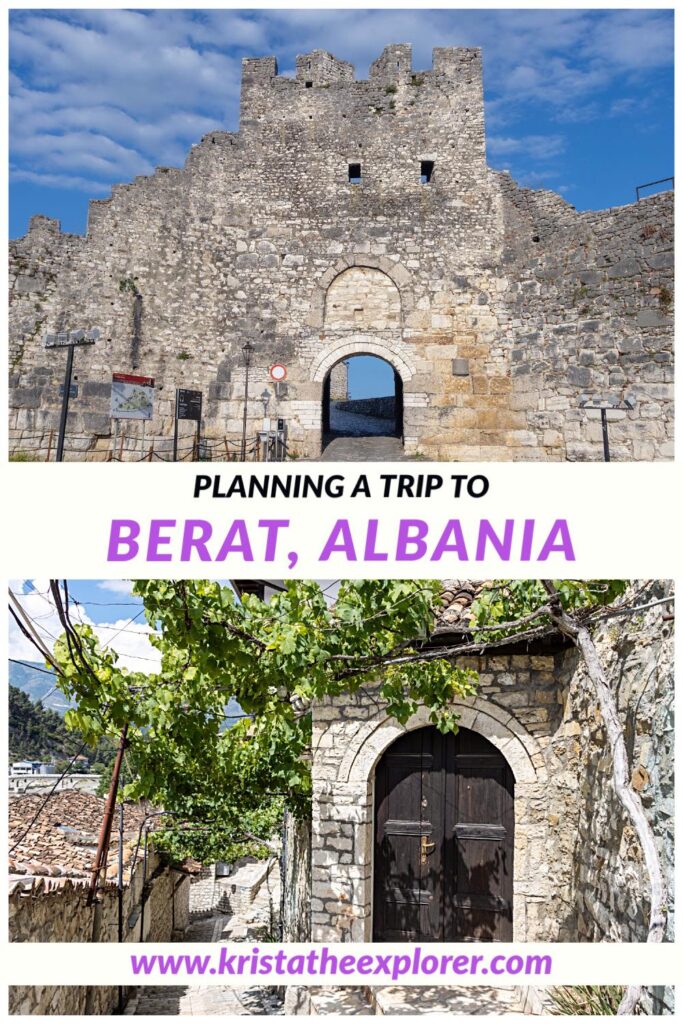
<point>362,397</point>
<point>443,840</point>
<point>348,747</point>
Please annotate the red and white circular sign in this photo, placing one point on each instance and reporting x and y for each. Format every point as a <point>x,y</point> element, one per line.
<point>278,372</point>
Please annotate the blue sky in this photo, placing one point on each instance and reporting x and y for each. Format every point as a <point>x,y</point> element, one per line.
<point>370,377</point>
<point>109,606</point>
<point>577,101</point>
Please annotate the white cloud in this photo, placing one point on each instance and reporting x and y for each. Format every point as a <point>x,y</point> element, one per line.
<point>538,147</point>
<point>116,586</point>
<point>99,96</point>
<point>69,181</point>
<point>130,640</point>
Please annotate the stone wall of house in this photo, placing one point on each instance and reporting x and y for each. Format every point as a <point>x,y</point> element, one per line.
<point>203,891</point>
<point>263,237</point>
<point>60,914</point>
<point>578,873</point>
<point>62,1000</point>
<point>521,708</point>
<point>237,893</point>
<point>610,877</point>
<point>233,893</point>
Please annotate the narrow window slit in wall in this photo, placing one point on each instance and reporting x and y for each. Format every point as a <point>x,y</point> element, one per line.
<point>426,171</point>
<point>354,174</point>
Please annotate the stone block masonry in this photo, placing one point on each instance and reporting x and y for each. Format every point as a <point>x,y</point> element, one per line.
<point>578,871</point>
<point>312,233</point>
<point>611,880</point>
<point>58,913</point>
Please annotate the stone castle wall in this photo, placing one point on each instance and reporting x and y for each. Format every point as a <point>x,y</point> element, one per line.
<point>578,874</point>
<point>60,914</point>
<point>381,408</point>
<point>262,237</point>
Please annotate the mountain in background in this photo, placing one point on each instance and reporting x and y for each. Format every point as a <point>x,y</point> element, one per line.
<point>37,733</point>
<point>36,682</point>
<point>36,724</point>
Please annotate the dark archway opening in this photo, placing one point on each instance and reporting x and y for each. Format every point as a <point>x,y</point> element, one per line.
<point>362,397</point>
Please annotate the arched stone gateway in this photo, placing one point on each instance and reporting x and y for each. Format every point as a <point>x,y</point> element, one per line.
<point>340,348</point>
<point>337,349</point>
<point>350,748</point>
<point>361,305</point>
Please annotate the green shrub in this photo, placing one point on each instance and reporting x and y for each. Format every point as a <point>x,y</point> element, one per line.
<point>586,1000</point>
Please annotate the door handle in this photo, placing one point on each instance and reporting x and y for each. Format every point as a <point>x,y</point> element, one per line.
<point>425,849</point>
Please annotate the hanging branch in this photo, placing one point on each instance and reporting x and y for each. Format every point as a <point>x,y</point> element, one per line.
<point>627,796</point>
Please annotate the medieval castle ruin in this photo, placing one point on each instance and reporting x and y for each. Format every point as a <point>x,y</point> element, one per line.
<point>353,217</point>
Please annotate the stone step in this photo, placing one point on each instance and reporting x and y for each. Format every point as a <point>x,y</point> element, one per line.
<point>364,449</point>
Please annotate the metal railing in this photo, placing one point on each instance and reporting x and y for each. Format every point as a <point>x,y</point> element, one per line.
<point>41,447</point>
<point>650,184</point>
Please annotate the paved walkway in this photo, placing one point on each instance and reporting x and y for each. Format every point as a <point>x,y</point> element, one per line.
<point>401,1000</point>
<point>364,449</point>
<point>458,1000</point>
<point>203,1000</point>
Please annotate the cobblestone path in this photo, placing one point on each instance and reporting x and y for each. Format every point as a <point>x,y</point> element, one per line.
<point>203,1000</point>
<point>364,449</point>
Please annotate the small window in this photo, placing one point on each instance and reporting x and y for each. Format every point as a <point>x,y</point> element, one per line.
<point>426,171</point>
<point>354,174</point>
<point>309,85</point>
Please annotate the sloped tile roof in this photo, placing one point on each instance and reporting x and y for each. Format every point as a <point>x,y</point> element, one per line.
<point>456,602</point>
<point>61,843</point>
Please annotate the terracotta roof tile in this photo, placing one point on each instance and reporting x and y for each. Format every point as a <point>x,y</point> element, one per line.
<point>456,602</point>
<point>63,840</point>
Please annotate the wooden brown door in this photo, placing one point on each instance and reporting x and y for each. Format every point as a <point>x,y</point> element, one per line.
<point>444,833</point>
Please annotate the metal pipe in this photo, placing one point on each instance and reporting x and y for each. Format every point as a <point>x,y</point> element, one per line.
<point>65,403</point>
<point>119,878</point>
<point>648,184</point>
<point>119,881</point>
<point>605,435</point>
<point>175,428</point>
<point>247,349</point>
<point>105,828</point>
<point>144,882</point>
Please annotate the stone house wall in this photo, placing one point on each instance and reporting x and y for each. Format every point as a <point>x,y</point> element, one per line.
<point>577,871</point>
<point>261,236</point>
<point>610,877</point>
<point>202,891</point>
<point>231,894</point>
<point>236,894</point>
<point>60,914</point>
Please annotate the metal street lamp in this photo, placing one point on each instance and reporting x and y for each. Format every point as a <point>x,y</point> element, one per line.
<point>68,340</point>
<point>604,403</point>
<point>247,352</point>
